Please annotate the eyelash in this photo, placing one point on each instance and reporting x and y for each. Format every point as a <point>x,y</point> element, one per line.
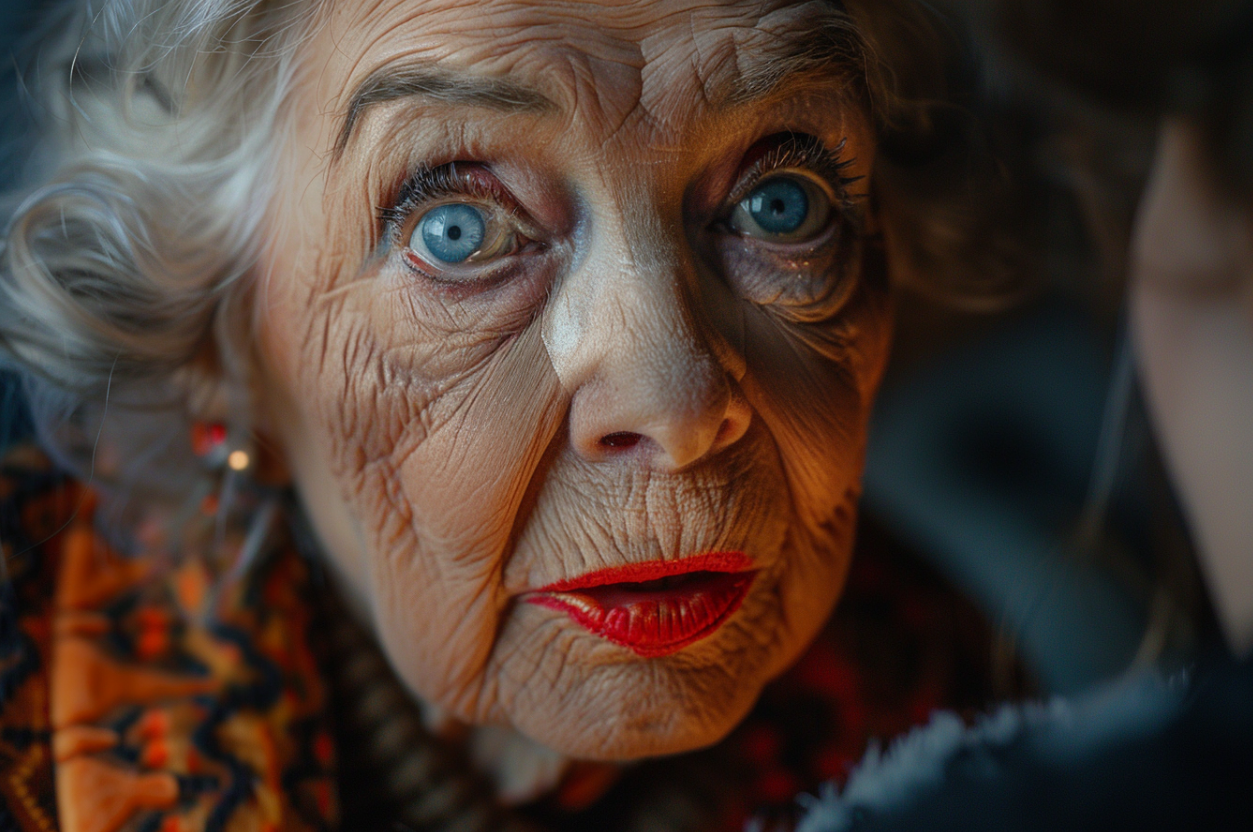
<point>427,184</point>
<point>794,151</point>
<point>801,151</point>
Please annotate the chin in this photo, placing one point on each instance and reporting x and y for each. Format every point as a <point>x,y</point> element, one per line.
<point>641,708</point>
<point>585,697</point>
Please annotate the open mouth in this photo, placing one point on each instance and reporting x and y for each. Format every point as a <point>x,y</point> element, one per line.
<point>654,608</point>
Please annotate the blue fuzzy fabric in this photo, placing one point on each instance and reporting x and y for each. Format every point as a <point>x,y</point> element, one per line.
<point>1145,755</point>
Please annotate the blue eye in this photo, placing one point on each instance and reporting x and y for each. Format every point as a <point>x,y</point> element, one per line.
<point>452,233</point>
<point>779,206</point>
<point>785,208</point>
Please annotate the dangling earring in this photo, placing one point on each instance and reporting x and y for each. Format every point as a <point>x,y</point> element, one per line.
<point>232,498</point>
<point>207,437</point>
<point>209,442</point>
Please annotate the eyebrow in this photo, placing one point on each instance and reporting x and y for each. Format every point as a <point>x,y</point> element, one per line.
<point>390,83</point>
<point>831,51</point>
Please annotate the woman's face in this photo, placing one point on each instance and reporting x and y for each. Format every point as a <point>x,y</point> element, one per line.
<point>569,337</point>
<point>1192,319</point>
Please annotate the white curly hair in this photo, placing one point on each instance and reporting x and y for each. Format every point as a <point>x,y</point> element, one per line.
<point>126,249</point>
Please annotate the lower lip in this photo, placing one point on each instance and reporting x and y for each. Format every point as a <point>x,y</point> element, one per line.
<point>654,609</point>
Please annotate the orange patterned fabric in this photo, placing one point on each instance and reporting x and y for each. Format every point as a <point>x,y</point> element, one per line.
<point>151,693</point>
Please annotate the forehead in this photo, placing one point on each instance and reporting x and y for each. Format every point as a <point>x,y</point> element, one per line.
<point>603,62</point>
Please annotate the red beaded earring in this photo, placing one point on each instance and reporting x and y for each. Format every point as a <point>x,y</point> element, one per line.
<point>209,442</point>
<point>207,438</point>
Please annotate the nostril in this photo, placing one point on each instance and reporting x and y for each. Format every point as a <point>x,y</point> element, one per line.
<point>620,440</point>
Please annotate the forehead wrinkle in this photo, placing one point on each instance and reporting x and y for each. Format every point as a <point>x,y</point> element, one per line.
<point>784,46</point>
<point>594,74</point>
<point>756,60</point>
<point>599,63</point>
<point>465,63</point>
<point>371,40</point>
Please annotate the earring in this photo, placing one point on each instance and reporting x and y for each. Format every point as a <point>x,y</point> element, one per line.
<point>240,511</point>
<point>209,442</point>
<point>207,438</point>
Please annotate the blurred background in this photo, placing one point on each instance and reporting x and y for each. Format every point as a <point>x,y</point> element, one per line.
<point>1009,456</point>
<point>17,18</point>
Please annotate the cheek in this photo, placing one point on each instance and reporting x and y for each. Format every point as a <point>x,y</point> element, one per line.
<point>414,436</point>
<point>814,384</point>
<point>445,504</point>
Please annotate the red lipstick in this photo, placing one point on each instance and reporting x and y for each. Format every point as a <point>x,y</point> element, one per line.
<point>654,608</point>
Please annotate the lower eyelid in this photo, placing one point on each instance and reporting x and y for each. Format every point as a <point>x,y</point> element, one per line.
<point>738,257</point>
<point>451,275</point>
<point>831,233</point>
<point>486,273</point>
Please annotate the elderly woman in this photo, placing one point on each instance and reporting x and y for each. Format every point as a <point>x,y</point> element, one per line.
<point>561,322</point>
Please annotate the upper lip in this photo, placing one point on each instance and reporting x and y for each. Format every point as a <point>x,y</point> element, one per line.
<point>635,573</point>
<point>655,608</point>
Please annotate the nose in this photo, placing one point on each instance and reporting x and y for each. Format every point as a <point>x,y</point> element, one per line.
<point>646,385</point>
<point>668,411</point>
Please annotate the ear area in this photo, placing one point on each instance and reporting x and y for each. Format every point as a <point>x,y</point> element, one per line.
<point>207,395</point>
<point>214,395</point>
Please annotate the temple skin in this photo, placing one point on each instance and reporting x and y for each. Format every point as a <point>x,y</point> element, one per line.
<point>445,434</point>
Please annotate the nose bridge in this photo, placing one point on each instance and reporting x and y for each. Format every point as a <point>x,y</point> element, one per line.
<point>626,314</point>
<point>629,345</point>
<point>653,321</point>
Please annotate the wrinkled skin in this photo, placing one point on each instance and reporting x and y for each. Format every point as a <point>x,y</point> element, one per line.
<point>446,437</point>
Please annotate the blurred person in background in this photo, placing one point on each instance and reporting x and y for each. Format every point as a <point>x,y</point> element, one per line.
<point>1149,753</point>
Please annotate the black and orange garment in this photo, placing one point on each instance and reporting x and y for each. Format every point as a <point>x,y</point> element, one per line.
<point>142,694</point>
